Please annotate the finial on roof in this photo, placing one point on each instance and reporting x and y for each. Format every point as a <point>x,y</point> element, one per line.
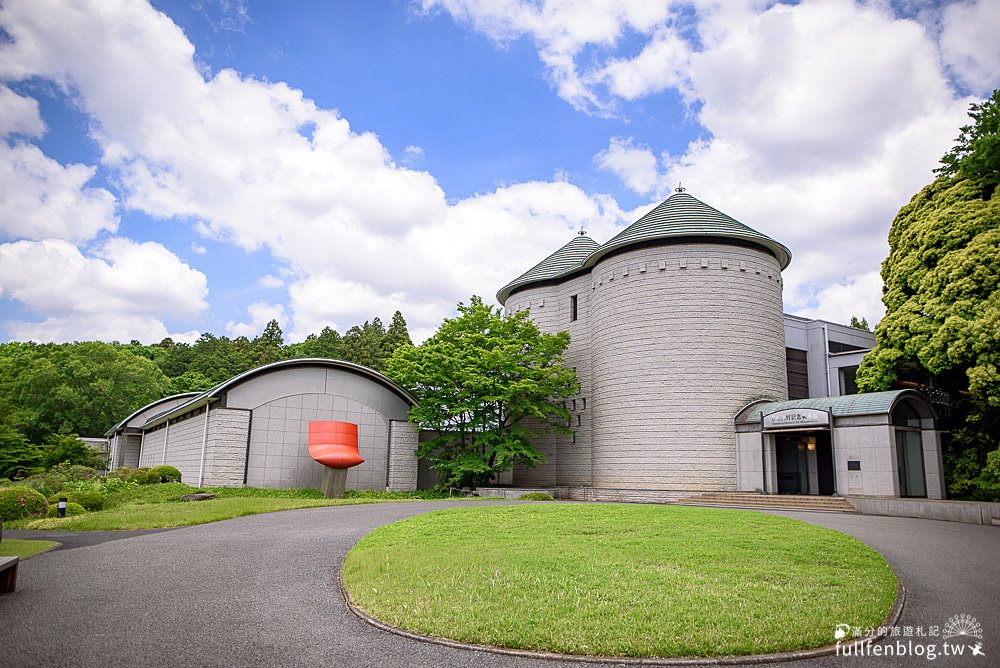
<point>680,187</point>
<point>582,232</point>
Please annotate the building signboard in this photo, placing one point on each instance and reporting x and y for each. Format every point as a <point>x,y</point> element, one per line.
<point>797,418</point>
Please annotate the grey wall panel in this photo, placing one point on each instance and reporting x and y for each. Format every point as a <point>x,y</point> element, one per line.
<point>152,447</point>
<point>183,449</point>
<point>279,452</point>
<point>280,382</point>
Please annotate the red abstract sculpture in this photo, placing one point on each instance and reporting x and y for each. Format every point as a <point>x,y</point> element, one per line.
<point>334,444</point>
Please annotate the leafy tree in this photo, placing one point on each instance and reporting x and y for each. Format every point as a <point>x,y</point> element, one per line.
<point>942,299</point>
<point>59,449</point>
<point>267,346</point>
<point>364,345</point>
<point>976,154</point>
<point>479,381</point>
<point>81,388</point>
<point>326,344</point>
<point>396,336</point>
<point>18,456</point>
<point>860,324</point>
<point>189,381</point>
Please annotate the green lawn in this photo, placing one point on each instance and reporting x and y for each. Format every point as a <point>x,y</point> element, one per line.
<point>619,580</point>
<point>178,514</point>
<point>15,547</point>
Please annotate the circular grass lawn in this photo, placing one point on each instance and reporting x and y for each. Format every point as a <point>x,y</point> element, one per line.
<point>619,580</point>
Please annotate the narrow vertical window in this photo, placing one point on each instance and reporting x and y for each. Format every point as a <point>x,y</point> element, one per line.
<point>572,308</point>
<point>574,404</point>
<point>579,420</point>
<point>584,400</point>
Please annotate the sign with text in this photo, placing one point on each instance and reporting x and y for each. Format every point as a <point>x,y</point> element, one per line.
<point>797,418</point>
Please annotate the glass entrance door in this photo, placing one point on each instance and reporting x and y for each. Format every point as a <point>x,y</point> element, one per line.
<point>910,464</point>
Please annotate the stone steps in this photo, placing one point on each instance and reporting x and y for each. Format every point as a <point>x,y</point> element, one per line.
<point>770,501</point>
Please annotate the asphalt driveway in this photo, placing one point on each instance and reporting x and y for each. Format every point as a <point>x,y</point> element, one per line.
<point>262,591</point>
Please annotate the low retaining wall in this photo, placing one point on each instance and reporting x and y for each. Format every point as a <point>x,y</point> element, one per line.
<point>511,493</point>
<point>970,512</point>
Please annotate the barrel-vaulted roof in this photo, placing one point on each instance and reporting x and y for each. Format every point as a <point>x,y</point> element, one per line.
<point>148,407</point>
<point>872,403</point>
<point>681,218</point>
<point>208,396</point>
<point>685,217</point>
<point>564,261</point>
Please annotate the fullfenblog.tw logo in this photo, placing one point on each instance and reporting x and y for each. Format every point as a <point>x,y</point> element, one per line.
<point>962,635</point>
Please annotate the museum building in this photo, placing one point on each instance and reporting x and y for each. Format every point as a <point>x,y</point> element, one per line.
<point>692,380</point>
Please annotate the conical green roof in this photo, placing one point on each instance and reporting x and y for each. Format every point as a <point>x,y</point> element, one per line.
<point>565,260</point>
<point>683,216</point>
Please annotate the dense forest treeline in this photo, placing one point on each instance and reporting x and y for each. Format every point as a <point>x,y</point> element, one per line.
<point>84,388</point>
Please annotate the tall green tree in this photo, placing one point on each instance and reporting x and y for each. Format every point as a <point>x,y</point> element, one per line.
<point>364,345</point>
<point>942,299</point>
<point>397,335</point>
<point>18,456</point>
<point>976,154</point>
<point>74,388</point>
<point>267,347</point>
<point>479,381</point>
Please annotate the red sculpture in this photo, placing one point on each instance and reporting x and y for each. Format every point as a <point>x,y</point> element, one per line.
<point>334,444</point>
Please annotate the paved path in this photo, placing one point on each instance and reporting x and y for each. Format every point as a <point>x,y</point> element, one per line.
<point>262,591</point>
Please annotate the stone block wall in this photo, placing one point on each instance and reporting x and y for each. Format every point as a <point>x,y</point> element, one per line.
<point>225,458</point>
<point>682,337</point>
<point>403,441</point>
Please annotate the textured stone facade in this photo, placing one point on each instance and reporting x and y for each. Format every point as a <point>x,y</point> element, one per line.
<point>403,441</point>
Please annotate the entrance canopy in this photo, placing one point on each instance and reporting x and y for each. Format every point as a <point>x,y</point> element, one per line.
<point>873,403</point>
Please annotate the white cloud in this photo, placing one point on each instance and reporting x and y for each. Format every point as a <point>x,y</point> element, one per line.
<point>270,282</point>
<point>124,284</point>
<point>97,327</point>
<point>859,296</point>
<point>39,198</point>
<point>413,153</point>
<point>634,165</point>
<point>260,313</point>
<point>970,43</point>
<point>19,114</point>
<point>198,249</point>
<point>257,164</point>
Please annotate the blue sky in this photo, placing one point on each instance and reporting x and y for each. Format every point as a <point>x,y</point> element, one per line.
<point>207,165</point>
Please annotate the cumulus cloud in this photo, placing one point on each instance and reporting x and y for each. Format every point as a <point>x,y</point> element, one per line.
<point>634,165</point>
<point>969,43</point>
<point>259,165</point>
<point>19,114</point>
<point>125,283</point>
<point>260,313</point>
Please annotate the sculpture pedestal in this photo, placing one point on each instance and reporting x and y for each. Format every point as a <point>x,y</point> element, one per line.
<point>334,482</point>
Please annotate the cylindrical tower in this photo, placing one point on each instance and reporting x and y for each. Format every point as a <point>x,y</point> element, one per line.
<point>685,329</point>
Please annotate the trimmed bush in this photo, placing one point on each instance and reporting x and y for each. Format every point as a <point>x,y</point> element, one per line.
<point>165,473</point>
<point>536,496</point>
<point>145,476</point>
<point>19,502</point>
<point>91,499</point>
<point>74,472</point>
<point>71,509</point>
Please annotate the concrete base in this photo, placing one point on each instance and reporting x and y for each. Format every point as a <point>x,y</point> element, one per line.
<point>512,493</point>
<point>334,482</point>
<point>970,512</point>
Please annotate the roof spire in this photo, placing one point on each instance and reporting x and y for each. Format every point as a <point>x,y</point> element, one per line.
<point>582,231</point>
<point>680,188</point>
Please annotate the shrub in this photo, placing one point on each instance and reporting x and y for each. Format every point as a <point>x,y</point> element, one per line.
<point>71,509</point>
<point>74,472</point>
<point>536,496</point>
<point>120,473</point>
<point>19,502</point>
<point>265,492</point>
<point>45,484</point>
<point>145,476</point>
<point>91,499</point>
<point>165,474</point>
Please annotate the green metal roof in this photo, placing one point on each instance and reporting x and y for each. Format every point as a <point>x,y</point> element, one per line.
<point>567,259</point>
<point>685,216</point>
<point>681,216</point>
<point>872,403</point>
